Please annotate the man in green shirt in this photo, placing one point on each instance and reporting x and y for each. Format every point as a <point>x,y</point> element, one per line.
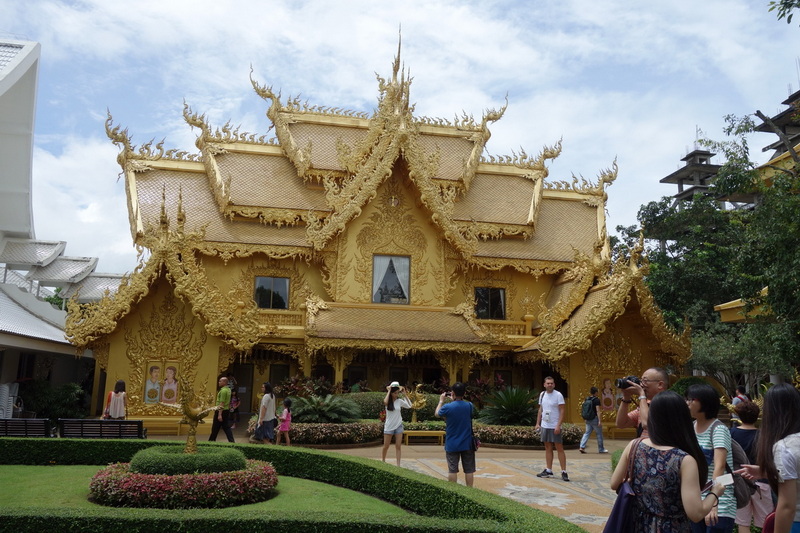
<point>222,416</point>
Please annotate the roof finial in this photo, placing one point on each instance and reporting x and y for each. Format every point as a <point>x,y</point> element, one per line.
<point>164,220</point>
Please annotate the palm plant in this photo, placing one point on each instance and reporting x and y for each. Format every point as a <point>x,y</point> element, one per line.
<point>513,406</point>
<point>318,409</point>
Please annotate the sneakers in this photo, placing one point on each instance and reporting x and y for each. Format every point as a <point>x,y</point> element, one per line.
<point>564,476</point>
<point>545,473</point>
<point>602,451</point>
<point>582,450</point>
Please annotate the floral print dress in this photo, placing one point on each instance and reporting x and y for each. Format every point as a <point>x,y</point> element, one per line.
<point>657,484</point>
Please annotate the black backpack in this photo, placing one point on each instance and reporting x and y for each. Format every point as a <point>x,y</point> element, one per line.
<point>588,411</point>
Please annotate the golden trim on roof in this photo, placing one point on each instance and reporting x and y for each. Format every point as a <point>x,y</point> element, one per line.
<point>558,342</point>
<point>400,348</point>
<point>173,253</point>
<point>581,278</point>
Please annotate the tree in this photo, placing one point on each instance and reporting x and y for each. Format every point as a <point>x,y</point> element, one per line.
<point>784,8</point>
<point>690,248</point>
<point>770,254</point>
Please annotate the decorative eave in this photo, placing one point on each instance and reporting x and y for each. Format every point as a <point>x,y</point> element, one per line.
<point>579,279</point>
<point>172,253</point>
<point>397,329</point>
<point>558,342</point>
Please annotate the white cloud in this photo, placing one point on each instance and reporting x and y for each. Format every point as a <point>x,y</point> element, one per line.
<point>615,79</point>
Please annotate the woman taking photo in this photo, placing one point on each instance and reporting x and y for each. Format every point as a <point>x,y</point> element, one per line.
<point>779,453</point>
<point>715,441</point>
<point>669,500</point>
<point>394,401</point>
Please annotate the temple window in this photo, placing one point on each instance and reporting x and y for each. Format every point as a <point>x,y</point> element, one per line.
<point>390,279</point>
<point>272,293</point>
<point>490,303</point>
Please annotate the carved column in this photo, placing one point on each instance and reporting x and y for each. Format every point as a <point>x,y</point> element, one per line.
<point>452,362</point>
<point>339,360</point>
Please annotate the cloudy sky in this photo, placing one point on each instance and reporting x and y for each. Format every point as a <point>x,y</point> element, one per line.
<point>616,79</point>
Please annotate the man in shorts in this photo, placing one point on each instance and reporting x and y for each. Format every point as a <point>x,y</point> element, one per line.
<point>458,433</point>
<point>548,422</point>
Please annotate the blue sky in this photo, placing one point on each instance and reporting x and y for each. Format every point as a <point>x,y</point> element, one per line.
<point>631,81</point>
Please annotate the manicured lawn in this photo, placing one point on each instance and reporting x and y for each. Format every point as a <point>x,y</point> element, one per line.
<point>68,487</point>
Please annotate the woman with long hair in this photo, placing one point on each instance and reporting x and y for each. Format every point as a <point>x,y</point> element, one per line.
<point>715,441</point>
<point>265,426</point>
<point>117,404</point>
<point>778,454</point>
<point>393,426</point>
<point>668,472</point>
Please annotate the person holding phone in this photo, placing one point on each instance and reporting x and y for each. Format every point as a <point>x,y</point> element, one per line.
<point>458,433</point>
<point>393,426</point>
<point>669,471</point>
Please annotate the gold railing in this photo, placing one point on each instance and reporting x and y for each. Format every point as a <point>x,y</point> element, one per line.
<point>280,317</point>
<point>504,327</point>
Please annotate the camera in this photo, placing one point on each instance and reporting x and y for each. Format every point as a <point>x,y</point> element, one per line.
<point>622,383</point>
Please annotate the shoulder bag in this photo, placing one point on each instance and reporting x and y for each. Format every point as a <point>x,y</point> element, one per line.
<point>619,521</point>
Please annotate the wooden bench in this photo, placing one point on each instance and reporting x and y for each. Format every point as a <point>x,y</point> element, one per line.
<point>26,427</point>
<point>93,428</point>
<point>433,434</point>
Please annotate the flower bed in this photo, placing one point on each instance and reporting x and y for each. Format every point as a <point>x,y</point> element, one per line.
<point>524,435</point>
<point>117,486</point>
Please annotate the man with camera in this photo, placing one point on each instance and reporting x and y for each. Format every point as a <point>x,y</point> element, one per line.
<point>458,433</point>
<point>653,381</point>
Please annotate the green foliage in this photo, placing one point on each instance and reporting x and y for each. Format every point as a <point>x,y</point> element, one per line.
<point>51,402</point>
<point>336,434</point>
<point>514,406</point>
<point>118,486</point>
<point>331,408</point>
<point>525,435</point>
<point>691,252</point>
<point>304,387</point>
<point>683,384</point>
<point>435,505</point>
<point>171,460</point>
<point>784,8</point>
<point>56,299</point>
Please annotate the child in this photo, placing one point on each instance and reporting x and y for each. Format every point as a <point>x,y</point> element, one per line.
<point>234,408</point>
<point>286,422</point>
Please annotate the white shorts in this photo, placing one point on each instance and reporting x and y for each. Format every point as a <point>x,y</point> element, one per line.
<point>760,506</point>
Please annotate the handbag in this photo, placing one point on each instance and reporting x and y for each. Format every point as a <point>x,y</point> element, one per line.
<point>620,518</point>
<point>769,523</point>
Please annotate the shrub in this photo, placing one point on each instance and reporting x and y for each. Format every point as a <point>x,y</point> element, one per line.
<point>524,435</point>
<point>683,384</point>
<point>371,404</point>
<point>117,486</point>
<point>513,406</point>
<point>303,387</point>
<point>51,402</point>
<point>171,460</point>
<point>332,434</point>
<point>325,409</point>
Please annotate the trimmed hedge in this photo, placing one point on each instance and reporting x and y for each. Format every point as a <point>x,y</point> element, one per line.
<point>171,461</point>
<point>440,506</point>
<point>371,404</point>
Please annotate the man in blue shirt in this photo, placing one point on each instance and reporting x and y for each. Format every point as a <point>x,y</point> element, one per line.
<point>458,436</point>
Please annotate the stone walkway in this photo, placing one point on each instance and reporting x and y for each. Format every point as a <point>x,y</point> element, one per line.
<point>585,501</point>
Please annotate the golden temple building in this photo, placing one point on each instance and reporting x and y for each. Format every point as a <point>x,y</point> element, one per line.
<point>366,247</point>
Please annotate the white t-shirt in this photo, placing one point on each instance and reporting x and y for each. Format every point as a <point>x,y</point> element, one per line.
<point>787,461</point>
<point>268,403</point>
<point>394,419</point>
<point>549,403</point>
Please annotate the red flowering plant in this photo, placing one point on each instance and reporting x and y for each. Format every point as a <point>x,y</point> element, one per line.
<point>117,486</point>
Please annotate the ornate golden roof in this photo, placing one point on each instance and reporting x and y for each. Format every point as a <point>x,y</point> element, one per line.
<point>604,304</point>
<point>397,329</point>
